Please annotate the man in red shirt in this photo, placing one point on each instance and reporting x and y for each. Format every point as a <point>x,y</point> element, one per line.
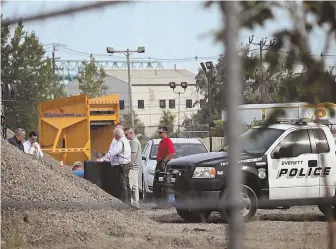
<point>166,150</point>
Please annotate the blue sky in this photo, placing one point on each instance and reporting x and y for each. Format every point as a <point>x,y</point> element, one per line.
<point>167,29</point>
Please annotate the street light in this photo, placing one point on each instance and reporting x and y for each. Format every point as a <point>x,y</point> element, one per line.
<point>184,86</point>
<point>128,52</point>
<point>208,70</point>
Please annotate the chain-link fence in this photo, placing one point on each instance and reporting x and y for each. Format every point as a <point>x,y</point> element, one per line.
<point>253,171</point>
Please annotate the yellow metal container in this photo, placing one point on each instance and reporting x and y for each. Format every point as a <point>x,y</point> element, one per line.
<point>73,128</point>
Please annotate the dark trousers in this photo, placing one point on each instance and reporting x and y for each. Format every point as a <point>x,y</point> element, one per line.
<point>125,190</point>
<point>157,188</point>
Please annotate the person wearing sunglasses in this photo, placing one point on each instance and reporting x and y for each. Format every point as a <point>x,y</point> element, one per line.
<point>166,150</point>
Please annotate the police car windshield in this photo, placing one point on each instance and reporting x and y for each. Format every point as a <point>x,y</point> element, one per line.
<point>258,140</point>
<point>182,149</point>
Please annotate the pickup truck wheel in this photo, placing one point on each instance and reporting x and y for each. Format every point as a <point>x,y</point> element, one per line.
<point>325,210</point>
<point>249,201</point>
<point>193,216</point>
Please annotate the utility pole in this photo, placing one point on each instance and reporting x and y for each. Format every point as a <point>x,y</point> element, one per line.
<point>184,86</point>
<point>128,52</point>
<point>261,44</point>
<point>208,70</point>
<point>209,80</point>
<point>53,61</point>
<point>130,86</point>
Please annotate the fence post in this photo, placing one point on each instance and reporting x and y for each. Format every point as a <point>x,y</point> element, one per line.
<point>233,97</point>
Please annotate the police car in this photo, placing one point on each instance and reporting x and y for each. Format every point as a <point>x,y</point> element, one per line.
<point>289,160</point>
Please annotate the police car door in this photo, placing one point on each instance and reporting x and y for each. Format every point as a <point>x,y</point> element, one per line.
<point>290,168</point>
<point>326,167</point>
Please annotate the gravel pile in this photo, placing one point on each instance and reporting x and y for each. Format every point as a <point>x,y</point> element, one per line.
<point>24,177</point>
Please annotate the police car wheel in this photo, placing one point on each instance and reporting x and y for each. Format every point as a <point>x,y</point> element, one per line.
<point>193,216</point>
<point>248,200</point>
<point>325,210</point>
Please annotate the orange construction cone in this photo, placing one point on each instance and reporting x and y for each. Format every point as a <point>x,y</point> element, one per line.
<point>61,164</point>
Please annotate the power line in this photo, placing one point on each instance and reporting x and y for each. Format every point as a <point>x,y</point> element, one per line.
<point>262,45</point>
<point>66,49</point>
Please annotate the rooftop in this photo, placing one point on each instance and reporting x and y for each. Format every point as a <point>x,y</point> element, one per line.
<point>150,76</point>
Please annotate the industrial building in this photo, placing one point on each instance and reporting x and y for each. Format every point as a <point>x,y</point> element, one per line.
<point>151,93</point>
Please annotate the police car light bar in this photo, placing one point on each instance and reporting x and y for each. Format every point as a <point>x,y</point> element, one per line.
<point>296,121</point>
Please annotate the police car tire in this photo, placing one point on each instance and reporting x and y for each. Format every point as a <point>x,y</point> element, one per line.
<point>325,211</point>
<point>193,216</point>
<point>254,205</point>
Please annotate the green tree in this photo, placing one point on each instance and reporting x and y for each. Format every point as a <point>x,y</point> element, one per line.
<point>24,65</point>
<point>56,89</point>
<point>91,79</point>
<point>139,125</point>
<point>168,119</point>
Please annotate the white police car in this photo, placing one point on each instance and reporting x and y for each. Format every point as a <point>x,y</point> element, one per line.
<point>294,160</point>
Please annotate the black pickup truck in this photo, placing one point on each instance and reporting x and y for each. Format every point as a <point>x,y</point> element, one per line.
<point>285,161</point>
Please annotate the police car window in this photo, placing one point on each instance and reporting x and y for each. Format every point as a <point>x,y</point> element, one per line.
<point>322,145</point>
<point>182,149</point>
<point>258,140</point>
<point>296,143</point>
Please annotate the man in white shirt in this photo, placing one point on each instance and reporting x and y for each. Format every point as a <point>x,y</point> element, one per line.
<point>118,125</point>
<point>31,146</point>
<point>119,155</point>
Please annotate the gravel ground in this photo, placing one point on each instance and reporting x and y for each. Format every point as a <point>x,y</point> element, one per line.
<point>25,178</point>
<point>297,227</point>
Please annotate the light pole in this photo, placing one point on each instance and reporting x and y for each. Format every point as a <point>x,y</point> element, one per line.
<point>184,86</point>
<point>128,52</point>
<point>208,70</point>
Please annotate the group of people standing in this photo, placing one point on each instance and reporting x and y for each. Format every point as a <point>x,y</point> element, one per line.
<point>125,152</point>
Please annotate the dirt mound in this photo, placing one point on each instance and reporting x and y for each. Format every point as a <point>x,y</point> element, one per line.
<point>24,177</point>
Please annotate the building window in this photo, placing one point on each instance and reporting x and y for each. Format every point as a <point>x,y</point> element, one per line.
<point>162,103</point>
<point>188,103</point>
<point>121,104</point>
<point>141,104</point>
<point>202,103</point>
<point>172,103</point>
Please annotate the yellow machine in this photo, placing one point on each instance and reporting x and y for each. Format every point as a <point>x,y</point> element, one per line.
<point>75,128</point>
